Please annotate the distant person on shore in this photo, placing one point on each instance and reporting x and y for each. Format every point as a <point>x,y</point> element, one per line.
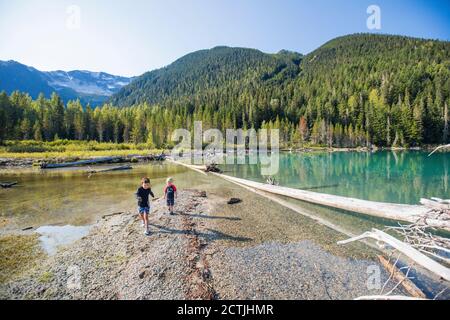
<point>142,195</point>
<point>170,193</point>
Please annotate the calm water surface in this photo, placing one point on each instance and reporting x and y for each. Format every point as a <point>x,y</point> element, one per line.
<point>398,177</point>
<point>70,197</point>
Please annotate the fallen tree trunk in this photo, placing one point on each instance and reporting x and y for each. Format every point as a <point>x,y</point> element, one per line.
<point>405,249</point>
<point>392,211</point>
<point>199,169</point>
<point>111,215</point>
<point>297,209</point>
<point>401,278</point>
<point>80,163</point>
<point>120,168</point>
<point>436,204</point>
<point>151,157</point>
<point>447,146</point>
<point>6,185</point>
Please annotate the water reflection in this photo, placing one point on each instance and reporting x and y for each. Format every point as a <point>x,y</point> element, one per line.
<point>59,197</point>
<point>399,177</point>
<point>53,237</point>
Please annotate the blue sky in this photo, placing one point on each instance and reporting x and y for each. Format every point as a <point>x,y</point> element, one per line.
<point>134,36</point>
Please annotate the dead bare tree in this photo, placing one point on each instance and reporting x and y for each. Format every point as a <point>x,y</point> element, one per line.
<point>447,146</point>
<point>419,244</point>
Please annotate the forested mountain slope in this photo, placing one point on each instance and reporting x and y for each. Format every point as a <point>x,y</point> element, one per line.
<point>209,70</point>
<point>355,90</point>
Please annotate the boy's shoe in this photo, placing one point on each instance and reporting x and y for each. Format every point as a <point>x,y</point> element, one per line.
<point>147,233</point>
<point>143,225</point>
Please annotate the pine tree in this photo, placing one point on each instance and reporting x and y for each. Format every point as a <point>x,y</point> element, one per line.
<point>37,131</point>
<point>445,137</point>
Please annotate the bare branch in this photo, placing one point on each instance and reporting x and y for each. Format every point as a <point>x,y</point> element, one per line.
<point>439,148</point>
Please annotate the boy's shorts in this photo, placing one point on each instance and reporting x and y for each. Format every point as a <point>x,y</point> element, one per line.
<point>144,210</point>
<point>170,202</point>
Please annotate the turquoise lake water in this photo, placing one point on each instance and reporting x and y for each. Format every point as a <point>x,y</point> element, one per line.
<point>397,177</point>
<point>70,196</point>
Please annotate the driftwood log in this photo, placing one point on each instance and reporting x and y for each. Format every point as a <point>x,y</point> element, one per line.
<point>404,248</point>
<point>392,211</point>
<point>419,214</point>
<point>80,163</point>
<point>402,279</point>
<point>160,157</point>
<point>199,169</point>
<point>111,215</point>
<point>120,168</point>
<point>7,185</point>
<point>447,146</point>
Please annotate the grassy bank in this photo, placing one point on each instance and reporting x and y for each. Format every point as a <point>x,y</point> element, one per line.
<point>18,253</point>
<point>31,149</point>
<point>71,149</point>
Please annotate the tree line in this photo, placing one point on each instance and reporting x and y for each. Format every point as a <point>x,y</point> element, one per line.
<point>359,90</point>
<point>44,119</point>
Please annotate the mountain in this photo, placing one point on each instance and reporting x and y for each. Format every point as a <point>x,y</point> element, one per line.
<point>90,87</point>
<point>205,70</point>
<point>356,90</point>
<point>16,76</point>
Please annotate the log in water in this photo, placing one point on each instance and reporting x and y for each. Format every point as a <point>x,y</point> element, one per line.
<point>6,185</point>
<point>119,168</point>
<point>87,162</point>
<point>79,163</point>
<point>392,211</point>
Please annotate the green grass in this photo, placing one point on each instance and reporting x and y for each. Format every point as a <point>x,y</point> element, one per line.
<point>71,149</point>
<point>46,277</point>
<point>18,254</point>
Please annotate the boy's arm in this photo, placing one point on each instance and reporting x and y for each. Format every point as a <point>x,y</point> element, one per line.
<point>151,193</point>
<point>138,196</point>
<point>165,192</point>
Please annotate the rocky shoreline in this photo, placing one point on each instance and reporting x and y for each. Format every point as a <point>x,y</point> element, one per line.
<point>188,256</point>
<point>117,261</point>
<point>37,162</point>
<point>14,162</point>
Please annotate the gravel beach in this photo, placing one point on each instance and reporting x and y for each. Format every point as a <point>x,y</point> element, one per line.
<point>190,256</point>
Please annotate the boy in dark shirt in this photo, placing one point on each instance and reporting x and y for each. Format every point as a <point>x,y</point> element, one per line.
<point>170,193</point>
<point>143,203</point>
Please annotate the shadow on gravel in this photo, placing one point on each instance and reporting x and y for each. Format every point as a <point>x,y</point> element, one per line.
<point>209,217</point>
<point>213,235</point>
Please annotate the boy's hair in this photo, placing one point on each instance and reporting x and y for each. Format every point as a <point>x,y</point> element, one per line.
<point>145,180</point>
<point>169,180</point>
